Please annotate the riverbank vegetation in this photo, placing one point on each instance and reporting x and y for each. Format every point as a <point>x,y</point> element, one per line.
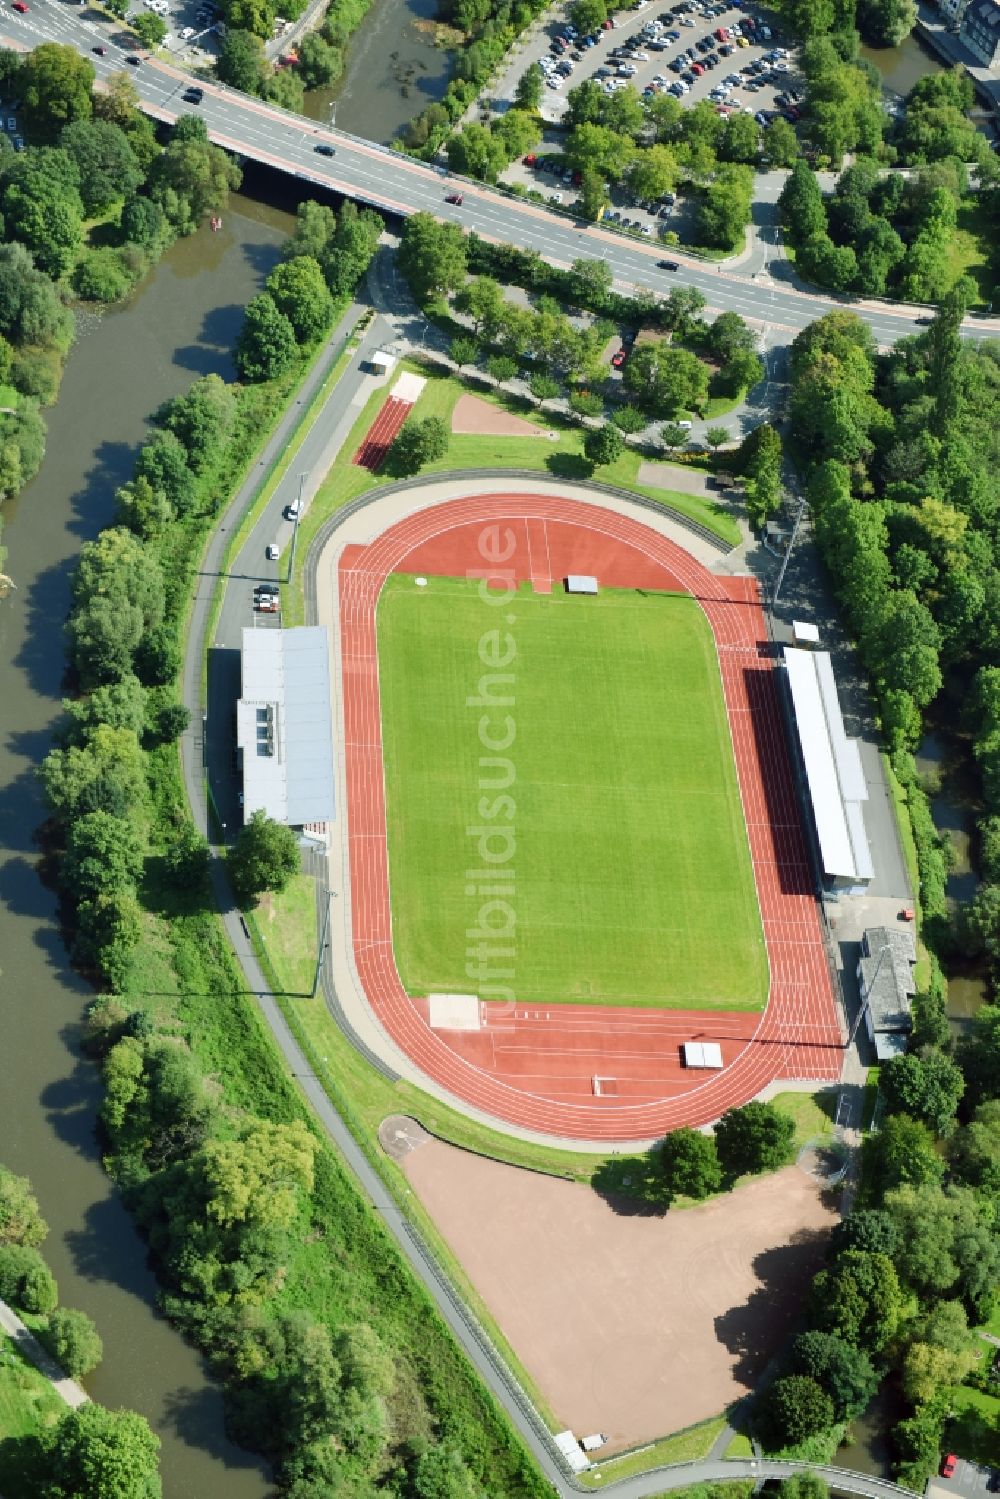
<point>87,1453</point>
<point>899,452</point>
<point>87,207</point>
<point>336,1365</point>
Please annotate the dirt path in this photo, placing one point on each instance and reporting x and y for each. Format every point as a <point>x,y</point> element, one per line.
<point>632,1325</point>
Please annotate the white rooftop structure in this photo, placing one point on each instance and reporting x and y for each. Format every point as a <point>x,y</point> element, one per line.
<point>581,583</point>
<point>833,768</point>
<point>702,1054</point>
<point>804,633</point>
<point>283,725</point>
<point>576,1461</point>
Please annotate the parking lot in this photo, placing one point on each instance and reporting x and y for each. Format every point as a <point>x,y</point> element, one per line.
<point>696,50</point>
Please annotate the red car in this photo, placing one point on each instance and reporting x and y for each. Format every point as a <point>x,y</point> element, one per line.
<point>20,6</point>
<point>618,360</point>
<point>949,1465</point>
<point>455,198</point>
<point>530,159</point>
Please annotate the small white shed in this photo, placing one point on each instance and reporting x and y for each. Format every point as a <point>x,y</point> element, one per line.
<point>702,1054</point>
<point>581,583</point>
<point>804,633</point>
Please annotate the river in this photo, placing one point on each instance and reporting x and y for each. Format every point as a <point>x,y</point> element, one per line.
<point>181,323</point>
<point>900,67</point>
<point>393,71</point>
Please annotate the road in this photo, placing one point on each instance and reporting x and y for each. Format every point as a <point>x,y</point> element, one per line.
<point>399,185</point>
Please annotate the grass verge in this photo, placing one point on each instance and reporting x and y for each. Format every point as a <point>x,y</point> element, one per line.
<point>685,1446</point>
<point>28,1404</point>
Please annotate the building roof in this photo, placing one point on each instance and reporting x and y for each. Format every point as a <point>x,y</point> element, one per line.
<point>581,583</point>
<point>886,973</point>
<point>702,1054</point>
<point>985,13</point>
<point>833,767</point>
<point>283,725</point>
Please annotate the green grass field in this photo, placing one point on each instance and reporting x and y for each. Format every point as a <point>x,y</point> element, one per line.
<point>633,883</point>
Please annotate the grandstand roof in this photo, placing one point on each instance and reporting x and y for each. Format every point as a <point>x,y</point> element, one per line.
<point>835,776</point>
<point>283,725</point>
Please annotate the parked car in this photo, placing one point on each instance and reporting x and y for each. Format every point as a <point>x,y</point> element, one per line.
<point>949,1465</point>
<point>618,360</point>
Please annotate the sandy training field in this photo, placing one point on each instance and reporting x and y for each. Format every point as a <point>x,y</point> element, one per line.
<point>478,418</point>
<point>631,1324</point>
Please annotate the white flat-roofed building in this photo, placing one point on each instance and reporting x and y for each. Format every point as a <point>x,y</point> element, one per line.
<point>283,725</point>
<point>834,773</point>
<point>581,583</point>
<point>707,1054</point>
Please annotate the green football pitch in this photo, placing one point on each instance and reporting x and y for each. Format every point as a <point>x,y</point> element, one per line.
<point>621,854</point>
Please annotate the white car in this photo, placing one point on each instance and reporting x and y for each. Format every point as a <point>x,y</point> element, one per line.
<point>641,56</point>
<point>272,552</point>
<point>187,33</point>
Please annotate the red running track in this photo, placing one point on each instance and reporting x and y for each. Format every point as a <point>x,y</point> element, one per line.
<point>593,1072</point>
<point>382,434</point>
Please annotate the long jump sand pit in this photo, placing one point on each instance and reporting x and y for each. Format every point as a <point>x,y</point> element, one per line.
<point>631,1324</point>
<point>478,418</point>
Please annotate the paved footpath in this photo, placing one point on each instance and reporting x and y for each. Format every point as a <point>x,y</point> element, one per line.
<point>25,1342</point>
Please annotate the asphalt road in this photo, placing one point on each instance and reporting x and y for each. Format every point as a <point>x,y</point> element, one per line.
<point>402,186</point>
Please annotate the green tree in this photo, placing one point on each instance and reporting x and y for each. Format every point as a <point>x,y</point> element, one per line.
<point>530,85</point>
<point>144,223</point>
<point>266,347</point>
<point>298,290</point>
<point>241,61</point>
<point>844,1371</point>
<point>885,23</point>
<point>192,178</point>
<point>654,172</point>
<point>149,28</point>
<point>858,1298</point>
<point>927,1087</point>
<point>792,1409</point>
<point>475,151</point>
<point>740,140</point>
<point>593,195</point>
<point>716,437</point>
<point>754,1138</point>
<point>482,300</point>
<point>319,64</point>
<point>463,350</point>
<point>103,1454</point>
<point>106,164</point>
<point>588,15</point>
<point>723,211</point>
<point>42,208</point>
<point>102,853</point>
<point>673,436</point>
<point>729,335</point>
<point>73,1341</point>
<point>690,1164</point>
<point>440,1473</point>
<point>265,856</point>
<point>432,255</point>
<point>666,379</point>
<point>26,1280</point>
<point>801,205</point>
<point>903,1153</point>
<point>202,419</point>
<point>501,367</point>
<point>120,705</point>
<point>544,387</point>
<point>780,144</point>
<point>973,1152</point>
<point>803,1486</point>
<point>603,445</point>
<point>57,83</point>
<point>419,442</point>
<point>21,1221</point>
<point>186,858</point>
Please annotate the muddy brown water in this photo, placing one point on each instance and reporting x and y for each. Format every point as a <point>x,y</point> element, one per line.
<point>181,323</point>
<point>393,71</point>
